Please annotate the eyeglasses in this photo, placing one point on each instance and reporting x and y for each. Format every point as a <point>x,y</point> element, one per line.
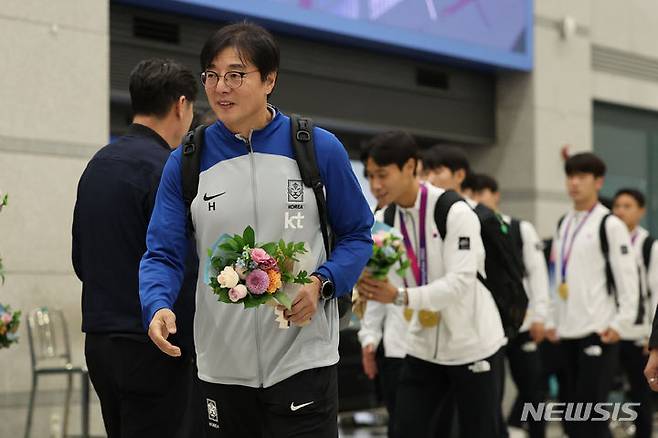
<point>232,79</point>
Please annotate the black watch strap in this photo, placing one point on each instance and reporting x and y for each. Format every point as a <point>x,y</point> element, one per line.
<point>326,286</point>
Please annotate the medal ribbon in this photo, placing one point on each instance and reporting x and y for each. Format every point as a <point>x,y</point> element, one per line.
<point>566,253</point>
<point>418,262</point>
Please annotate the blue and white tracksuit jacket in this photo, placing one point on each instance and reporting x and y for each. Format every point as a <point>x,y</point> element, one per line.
<point>259,183</point>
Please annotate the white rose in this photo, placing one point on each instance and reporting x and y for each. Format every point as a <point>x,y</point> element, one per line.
<point>228,278</point>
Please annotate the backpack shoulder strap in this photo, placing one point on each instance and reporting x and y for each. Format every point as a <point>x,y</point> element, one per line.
<point>559,223</point>
<point>443,205</point>
<point>304,148</point>
<point>515,232</point>
<point>605,249</point>
<point>389,214</point>
<point>191,166</point>
<point>603,236</point>
<point>517,240</point>
<point>647,246</point>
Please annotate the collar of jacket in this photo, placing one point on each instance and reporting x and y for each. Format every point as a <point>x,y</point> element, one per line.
<point>277,121</point>
<point>140,130</point>
<point>416,206</point>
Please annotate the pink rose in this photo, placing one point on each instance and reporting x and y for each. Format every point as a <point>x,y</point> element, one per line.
<point>241,271</point>
<point>268,264</point>
<point>237,293</point>
<point>379,239</point>
<point>259,255</point>
<point>258,281</point>
<point>6,318</point>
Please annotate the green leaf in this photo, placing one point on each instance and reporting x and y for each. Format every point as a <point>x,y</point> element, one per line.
<point>239,243</point>
<point>249,237</point>
<point>270,248</point>
<point>283,299</point>
<point>251,301</point>
<point>282,245</point>
<point>228,246</point>
<point>222,295</point>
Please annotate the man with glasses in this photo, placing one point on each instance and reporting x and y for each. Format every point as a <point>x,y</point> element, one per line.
<point>257,380</point>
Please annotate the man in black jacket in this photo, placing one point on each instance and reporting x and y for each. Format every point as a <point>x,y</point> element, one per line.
<point>142,392</point>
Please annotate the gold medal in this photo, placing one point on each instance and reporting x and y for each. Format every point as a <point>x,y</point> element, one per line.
<point>428,319</point>
<point>563,290</point>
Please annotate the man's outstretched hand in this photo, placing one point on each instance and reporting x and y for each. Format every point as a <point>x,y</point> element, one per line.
<point>162,325</point>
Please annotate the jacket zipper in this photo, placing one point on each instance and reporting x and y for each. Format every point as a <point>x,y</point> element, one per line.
<point>410,216</point>
<point>254,188</point>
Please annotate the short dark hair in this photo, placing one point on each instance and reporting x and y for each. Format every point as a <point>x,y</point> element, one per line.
<point>156,84</point>
<point>585,162</point>
<point>472,182</point>
<point>487,182</point>
<point>426,156</point>
<point>633,193</point>
<point>252,42</point>
<point>393,147</point>
<point>452,157</point>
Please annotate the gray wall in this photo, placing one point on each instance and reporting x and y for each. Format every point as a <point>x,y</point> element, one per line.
<point>54,115</point>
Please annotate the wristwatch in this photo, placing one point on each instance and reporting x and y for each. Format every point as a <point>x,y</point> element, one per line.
<point>400,298</point>
<point>327,289</point>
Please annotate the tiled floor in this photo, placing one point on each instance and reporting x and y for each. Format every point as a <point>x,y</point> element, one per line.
<point>48,417</point>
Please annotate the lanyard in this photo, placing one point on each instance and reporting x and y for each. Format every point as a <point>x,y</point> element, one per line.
<point>566,253</point>
<point>634,237</point>
<point>418,263</point>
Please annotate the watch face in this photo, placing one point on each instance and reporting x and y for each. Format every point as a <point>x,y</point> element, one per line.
<point>327,290</point>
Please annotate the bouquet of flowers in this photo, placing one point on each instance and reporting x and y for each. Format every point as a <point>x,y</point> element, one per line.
<point>240,271</point>
<point>9,322</point>
<point>3,201</point>
<point>387,250</point>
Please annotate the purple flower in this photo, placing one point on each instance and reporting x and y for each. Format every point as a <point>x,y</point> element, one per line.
<point>257,282</point>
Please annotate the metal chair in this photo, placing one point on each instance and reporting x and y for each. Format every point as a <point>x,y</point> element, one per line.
<point>50,352</point>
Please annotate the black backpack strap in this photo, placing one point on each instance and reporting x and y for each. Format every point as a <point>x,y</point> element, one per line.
<point>641,311</point>
<point>443,205</point>
<point>647,246</point>
<point>517,241</point>
<point>605,249</point>
<point>302,141</point>
<point>190,168</point>
<point>515,233</point>
<point>389,215</point>
<point>559,224</point>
